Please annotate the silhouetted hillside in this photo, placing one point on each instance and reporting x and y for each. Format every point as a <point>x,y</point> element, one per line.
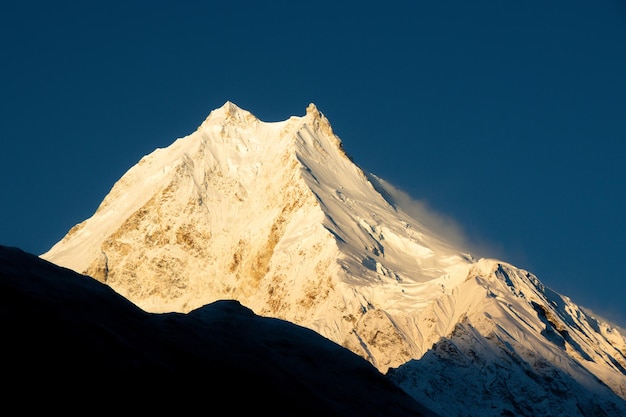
<point>71,343</point>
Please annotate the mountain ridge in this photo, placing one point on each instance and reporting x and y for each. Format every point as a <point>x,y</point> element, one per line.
<point>278,216</point>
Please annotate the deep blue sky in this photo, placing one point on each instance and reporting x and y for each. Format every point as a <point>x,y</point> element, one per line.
<point>508,117</point>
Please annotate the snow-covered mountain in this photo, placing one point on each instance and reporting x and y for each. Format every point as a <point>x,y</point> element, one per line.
<point>277,216</point>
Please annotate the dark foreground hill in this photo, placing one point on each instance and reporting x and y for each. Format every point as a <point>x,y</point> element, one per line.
<point>71,343</point>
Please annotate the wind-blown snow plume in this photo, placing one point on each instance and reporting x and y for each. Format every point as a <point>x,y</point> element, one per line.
<point>439,223</point>
<point>447,228</point>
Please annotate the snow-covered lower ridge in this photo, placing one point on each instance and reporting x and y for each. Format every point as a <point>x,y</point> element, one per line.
<point>278,217</point>
<point>511,347</point>
<point>518,348</point>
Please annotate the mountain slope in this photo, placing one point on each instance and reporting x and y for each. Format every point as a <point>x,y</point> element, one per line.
<point>277,216</point>
<point>68,335</point>
<point>522,350</point>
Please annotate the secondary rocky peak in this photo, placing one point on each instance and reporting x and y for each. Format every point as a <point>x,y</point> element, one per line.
<point>312,109</point>
<point>319,122</point>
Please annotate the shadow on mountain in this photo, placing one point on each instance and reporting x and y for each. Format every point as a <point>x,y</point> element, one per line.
<point>80,345</point>
<point>509,381</point>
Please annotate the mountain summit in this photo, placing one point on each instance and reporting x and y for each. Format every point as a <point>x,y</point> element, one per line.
<point>277,216</point>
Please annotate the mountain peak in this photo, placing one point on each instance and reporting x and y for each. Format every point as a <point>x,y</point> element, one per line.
<point>229,112</point>
<point>231,108</point>
<point>312,109</point>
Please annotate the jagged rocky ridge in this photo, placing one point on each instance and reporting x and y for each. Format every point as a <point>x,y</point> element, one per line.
<point>277,216</point>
